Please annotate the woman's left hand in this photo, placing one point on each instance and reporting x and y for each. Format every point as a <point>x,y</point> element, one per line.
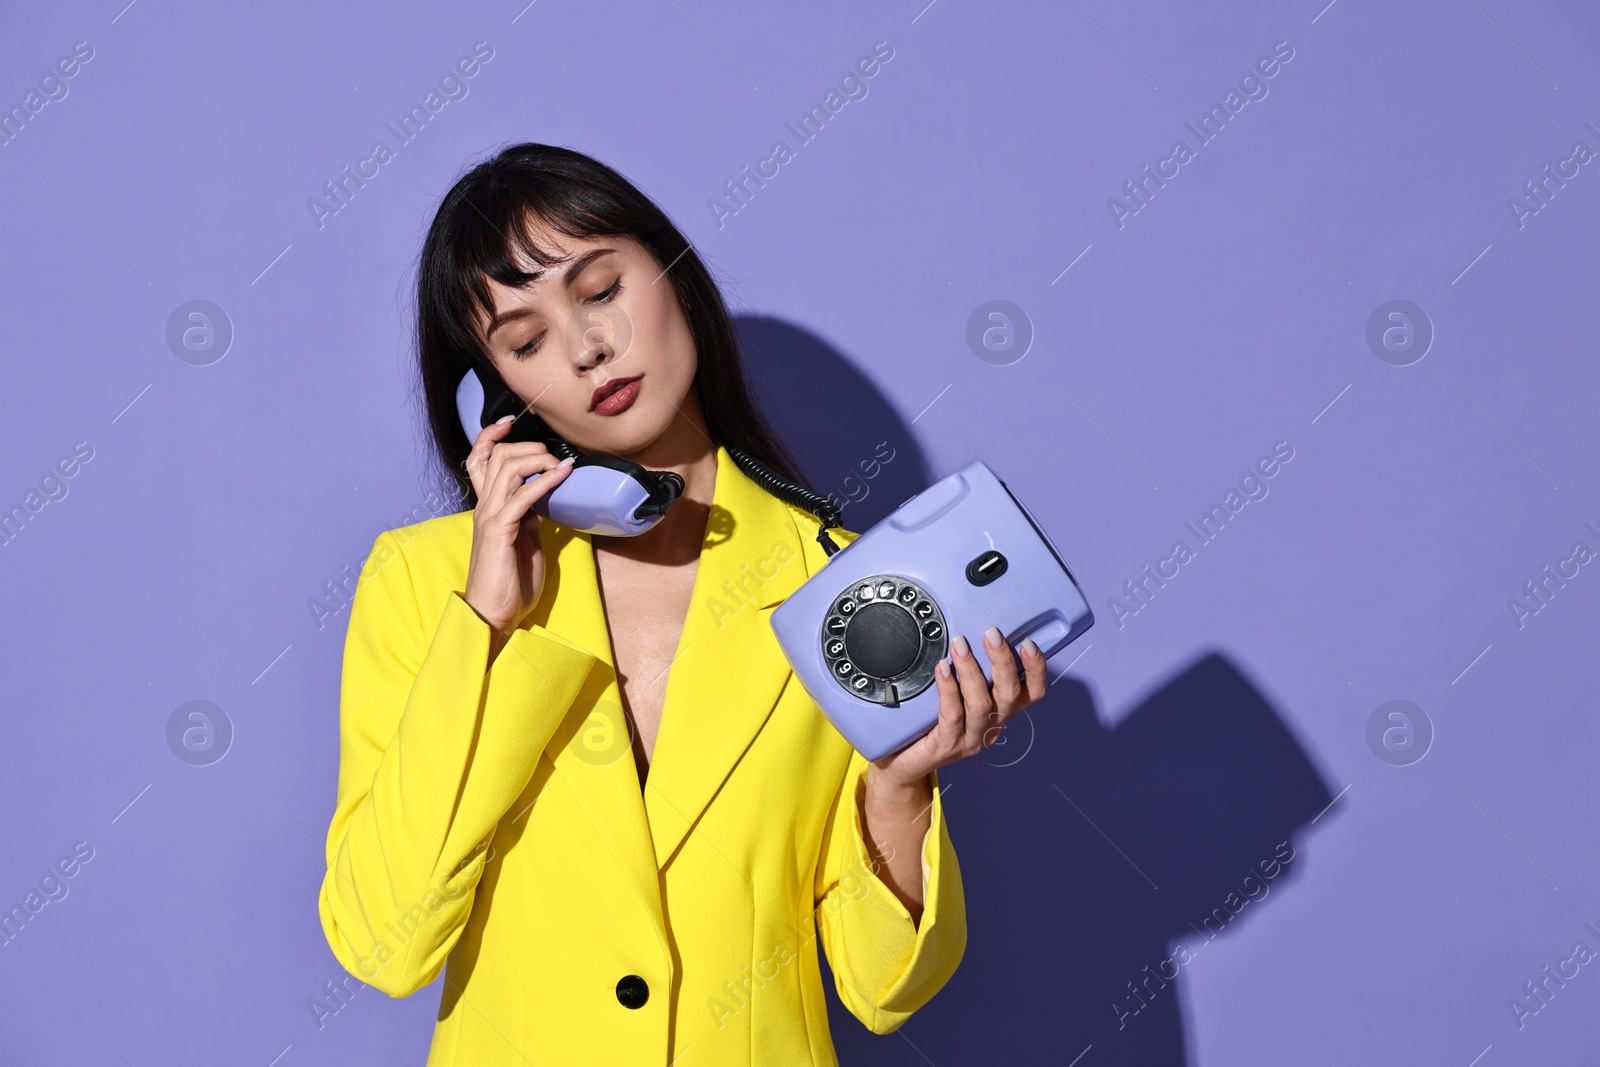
<point>971,711</point>
<point>899,794</point>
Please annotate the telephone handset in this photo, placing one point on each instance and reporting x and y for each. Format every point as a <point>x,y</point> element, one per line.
<point>602,494</point>
<point>607,494</point>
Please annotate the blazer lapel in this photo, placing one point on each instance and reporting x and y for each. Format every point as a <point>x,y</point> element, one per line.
<point>729,670</point>
<point>725,678</point>
<point>605,782</point>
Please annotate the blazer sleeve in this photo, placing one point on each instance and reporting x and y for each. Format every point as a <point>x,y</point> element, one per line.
<point>435,745</point>
<point>885,966</point>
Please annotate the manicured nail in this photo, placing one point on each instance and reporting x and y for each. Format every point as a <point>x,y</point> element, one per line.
<point>1029,648</point>
<point>960,646</point>
<point>942,669</point>
<point>565,463</point>
<point>503,418</point>
<point>992,638</point>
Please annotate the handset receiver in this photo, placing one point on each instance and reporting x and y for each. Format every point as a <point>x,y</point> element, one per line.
<point>603,494</point>
<point>606,494</point>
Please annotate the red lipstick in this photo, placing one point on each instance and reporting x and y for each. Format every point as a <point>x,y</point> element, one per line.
<point>615,396</point>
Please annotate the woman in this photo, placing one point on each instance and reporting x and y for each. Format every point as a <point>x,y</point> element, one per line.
<point>577,768</point>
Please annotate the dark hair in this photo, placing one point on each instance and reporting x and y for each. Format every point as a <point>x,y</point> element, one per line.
<point>487,212</point>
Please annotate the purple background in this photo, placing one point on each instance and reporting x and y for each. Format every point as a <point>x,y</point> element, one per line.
<point>1228,314</point>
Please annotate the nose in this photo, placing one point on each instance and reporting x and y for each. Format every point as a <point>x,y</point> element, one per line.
<point>592,341</point>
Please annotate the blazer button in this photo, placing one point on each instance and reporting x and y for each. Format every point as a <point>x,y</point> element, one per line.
<point>632,991</point>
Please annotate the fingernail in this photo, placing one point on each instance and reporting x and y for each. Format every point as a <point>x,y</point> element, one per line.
<point>960,646</point>
<point>942,669</point>
<point>1029,648</point>
<point>503,418</point>
<point>991,637</point>
<point>565,463</point>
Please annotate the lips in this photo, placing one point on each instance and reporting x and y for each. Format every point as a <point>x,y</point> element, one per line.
<point>608,388</point>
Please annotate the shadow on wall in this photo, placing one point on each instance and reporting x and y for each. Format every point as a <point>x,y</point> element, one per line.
<point>851,442</point>
<point>1088,856</point>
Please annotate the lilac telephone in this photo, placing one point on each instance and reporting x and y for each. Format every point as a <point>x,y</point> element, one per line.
<point>863,634</point>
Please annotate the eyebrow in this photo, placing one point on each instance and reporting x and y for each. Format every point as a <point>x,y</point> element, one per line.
<point>568,276</point>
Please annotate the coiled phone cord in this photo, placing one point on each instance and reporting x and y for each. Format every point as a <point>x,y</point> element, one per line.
<point>560,448</point>
<point>826,511</point>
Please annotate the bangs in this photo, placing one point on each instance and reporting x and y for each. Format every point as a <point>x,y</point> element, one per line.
<point>497,235</point>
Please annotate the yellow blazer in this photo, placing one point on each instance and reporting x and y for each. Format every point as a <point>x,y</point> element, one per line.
<point>492,820</point>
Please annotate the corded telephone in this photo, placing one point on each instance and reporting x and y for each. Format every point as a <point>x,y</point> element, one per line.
<point>862,634</point>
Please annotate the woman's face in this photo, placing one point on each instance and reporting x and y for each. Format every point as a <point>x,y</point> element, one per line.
<point>604,321</point>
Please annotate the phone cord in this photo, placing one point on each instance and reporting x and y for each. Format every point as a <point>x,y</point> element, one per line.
<point>824,509</point>
<point>559,448</point>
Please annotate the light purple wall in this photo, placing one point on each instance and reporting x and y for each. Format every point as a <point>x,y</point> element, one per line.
<point>1168,354</point>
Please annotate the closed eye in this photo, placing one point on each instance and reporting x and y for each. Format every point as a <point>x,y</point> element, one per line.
<point>605,296</point>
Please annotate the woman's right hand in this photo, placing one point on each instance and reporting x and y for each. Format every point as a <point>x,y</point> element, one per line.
<point>506,573</point>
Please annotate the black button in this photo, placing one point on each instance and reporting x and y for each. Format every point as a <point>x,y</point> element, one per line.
<point>632,992</point>
<point>986,568</point>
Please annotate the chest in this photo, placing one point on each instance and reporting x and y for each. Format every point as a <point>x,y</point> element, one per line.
<point>645,608</point>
